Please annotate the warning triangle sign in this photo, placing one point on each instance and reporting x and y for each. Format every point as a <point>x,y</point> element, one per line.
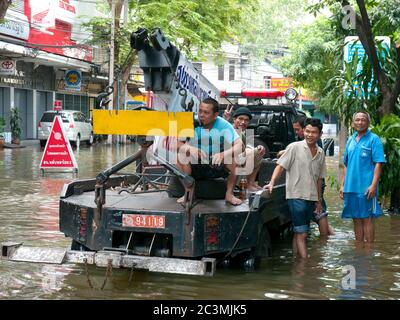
<point>58,152</point>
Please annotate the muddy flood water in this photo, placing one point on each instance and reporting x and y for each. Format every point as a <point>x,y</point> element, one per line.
<point>29,213</point>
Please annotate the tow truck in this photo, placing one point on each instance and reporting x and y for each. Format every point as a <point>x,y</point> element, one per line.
<point>132,220</point>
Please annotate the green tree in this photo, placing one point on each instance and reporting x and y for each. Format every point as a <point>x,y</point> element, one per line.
<point>336,91</point>
<point>369,21</point>
<point>313,59</point>
<point>268,30</point>
<point>195,27</point>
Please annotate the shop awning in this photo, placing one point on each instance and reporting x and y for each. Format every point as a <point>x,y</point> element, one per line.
<point>20,52</point>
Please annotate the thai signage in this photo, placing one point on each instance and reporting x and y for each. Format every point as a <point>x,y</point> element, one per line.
<point>193,88</point>
<point>281,84</point>
<point>15,25</point>
<point>58,152</point>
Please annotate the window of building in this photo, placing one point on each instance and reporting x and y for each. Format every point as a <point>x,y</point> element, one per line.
<point>221,72</point>
<point>267,82</point>
<point>74,102</point>
<point>231,70</point>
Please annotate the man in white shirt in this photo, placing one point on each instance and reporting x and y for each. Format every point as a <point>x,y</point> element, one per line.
<point>305,167</point>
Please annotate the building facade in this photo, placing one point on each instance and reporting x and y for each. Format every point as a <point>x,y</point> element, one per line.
<point>237,70</point>
<point>43,58</point>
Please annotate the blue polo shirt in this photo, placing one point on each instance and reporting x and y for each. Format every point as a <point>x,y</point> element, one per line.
<point>360,159</point>
<point>221,137</point>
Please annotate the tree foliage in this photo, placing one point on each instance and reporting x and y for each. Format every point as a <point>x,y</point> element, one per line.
<point>333,81</point>
<point>268,30</point>
<point>195,27</point>
<point>389,132</point>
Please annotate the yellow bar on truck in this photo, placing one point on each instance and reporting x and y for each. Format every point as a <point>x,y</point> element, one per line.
<point>143,122</point>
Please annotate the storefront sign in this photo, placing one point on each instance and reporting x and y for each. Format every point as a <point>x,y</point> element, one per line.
<point>281,84</point>
<point>43,14</point>
<point>73,80</point>
<point>7,67</point>
<point>15,25</point>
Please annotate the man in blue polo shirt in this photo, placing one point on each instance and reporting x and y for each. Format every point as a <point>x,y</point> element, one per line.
<point>211,152</point>
<point>363,161</point>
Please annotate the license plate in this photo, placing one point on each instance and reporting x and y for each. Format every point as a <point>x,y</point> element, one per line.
<point>143,221</point>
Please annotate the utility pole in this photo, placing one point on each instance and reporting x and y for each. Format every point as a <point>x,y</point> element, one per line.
<point>111,67</point>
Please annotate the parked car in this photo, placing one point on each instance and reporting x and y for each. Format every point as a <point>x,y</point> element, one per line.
<point>77,127</point>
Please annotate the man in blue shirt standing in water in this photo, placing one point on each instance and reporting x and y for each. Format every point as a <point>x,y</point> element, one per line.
<point>362,161</point>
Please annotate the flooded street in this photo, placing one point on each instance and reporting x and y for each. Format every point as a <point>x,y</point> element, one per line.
<point>29,213</point>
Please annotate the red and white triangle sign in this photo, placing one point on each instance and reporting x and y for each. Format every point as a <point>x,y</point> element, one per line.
<point>58,152</point>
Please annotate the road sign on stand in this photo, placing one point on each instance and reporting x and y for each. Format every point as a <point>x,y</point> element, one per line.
<point>58,152</point>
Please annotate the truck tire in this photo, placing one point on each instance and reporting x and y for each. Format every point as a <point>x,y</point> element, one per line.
<point>259,142</point>
<point>264,248</point>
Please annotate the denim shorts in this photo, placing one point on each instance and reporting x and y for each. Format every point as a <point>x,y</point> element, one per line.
<point>302,212</point>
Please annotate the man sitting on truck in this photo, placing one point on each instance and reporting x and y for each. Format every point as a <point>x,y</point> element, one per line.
<point>251,158</point>
<point>210,153</point>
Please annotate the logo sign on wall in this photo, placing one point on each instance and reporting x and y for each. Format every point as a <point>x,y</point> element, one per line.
<point>58,152</point>
<point>7,67</point>
<point>73,80</point>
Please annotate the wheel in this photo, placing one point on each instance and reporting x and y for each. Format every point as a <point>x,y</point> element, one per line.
<point>264,247</point>
<point>250,263</point>
<point>77,142</point>
<point>75,245</point>
<point>259,142</point>
<point>42,143</point>
<point>91,139</point>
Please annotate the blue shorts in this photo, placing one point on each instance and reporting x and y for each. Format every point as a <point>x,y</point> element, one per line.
<point>302,212</point>
<point>357,206</point>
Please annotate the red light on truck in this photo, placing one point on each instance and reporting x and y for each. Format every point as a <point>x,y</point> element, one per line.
<point>262,93</point>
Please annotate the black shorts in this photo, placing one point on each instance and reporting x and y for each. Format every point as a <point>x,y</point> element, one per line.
<point>208,171</point>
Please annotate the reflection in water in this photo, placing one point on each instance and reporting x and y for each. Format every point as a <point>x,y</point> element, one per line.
<point>29,213</point>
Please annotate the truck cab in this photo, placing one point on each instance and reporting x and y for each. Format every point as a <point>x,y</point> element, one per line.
<point>272,117</point>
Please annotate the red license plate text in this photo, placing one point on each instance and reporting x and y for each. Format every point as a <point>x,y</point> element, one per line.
<point>143,221</point>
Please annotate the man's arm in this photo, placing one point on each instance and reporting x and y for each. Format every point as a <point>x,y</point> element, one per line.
<point>186,150</point>
<point>228,113</point>
<point>275,176</point>
<point>371,191</point>
<point>342,181</point>
<point>228,155</point>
